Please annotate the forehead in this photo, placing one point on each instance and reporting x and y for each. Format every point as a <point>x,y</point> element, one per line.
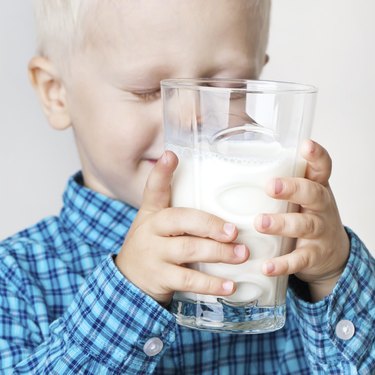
<point>142,31</point>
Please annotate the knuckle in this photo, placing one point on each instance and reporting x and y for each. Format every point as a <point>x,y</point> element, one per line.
<point>211,221</point>
<point>282,223</point>
<point>327,194</point>
<point>291,266</point>
<point>209,285</point>
<point>279,224</point>
<point>285,266</point>
<point>187,281</point>
<point>169,211</point>
<point>320,193</point>
<point>223,252</point>
<point>303,260</point>
<point>187,249</point>
<point>287,225</point>
<point>295,263</point>
<point>310,227</point>
<point>213,285</point>
<point>169,215</point>
<point>318,227</point>
<point>295,187</point>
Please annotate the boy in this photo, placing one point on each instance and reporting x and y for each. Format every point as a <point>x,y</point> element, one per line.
<point>87,292</point>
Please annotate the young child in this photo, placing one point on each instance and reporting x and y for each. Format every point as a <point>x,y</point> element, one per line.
<point>87,292</point>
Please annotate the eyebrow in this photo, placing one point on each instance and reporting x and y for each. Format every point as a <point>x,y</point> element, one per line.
<point>140,77</point>
<point>147,78</point>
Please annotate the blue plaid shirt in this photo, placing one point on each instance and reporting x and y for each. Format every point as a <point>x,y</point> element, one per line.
<point>66,309</point>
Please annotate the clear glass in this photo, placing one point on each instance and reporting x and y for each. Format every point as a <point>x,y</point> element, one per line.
<point>231,138</point>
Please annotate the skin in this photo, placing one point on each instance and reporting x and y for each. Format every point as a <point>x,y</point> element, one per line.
<point>111,98</point>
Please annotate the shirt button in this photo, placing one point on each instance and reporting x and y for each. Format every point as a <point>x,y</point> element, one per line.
<point>153,346</point>
<point>345,329</point>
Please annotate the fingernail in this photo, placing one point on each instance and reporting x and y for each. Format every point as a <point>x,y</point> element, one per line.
<point>266,221</point>
<point>229,228</point>
<point>278,186</point>
<point>269,267</point>
<point>228,286</point>
<point>240,251</point>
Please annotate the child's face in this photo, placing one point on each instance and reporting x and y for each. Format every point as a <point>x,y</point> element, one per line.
<point>113,93</point>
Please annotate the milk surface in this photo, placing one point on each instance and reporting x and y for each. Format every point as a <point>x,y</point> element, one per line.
<point>229,181</point>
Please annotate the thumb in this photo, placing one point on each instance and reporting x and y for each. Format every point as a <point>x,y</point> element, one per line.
<point>157,193</point>
<point>319,163</point>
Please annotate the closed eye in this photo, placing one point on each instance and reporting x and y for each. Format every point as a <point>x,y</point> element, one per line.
<point>148,95</point>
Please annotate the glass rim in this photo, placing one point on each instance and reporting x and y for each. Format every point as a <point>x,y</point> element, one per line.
<point>252,86</point>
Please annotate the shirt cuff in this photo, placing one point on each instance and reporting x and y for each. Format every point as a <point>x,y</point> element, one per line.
<point>352,300</point>
<point>112,320</point>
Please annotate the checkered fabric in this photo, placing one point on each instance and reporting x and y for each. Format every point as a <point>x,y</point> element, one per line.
<point>66,309</point>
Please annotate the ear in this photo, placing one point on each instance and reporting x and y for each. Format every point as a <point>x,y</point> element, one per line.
<point>48,84</point>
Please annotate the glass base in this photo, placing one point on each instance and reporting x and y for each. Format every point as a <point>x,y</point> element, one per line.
<point>227,317</point>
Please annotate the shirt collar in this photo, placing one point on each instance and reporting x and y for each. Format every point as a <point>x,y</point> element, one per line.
<point>100,221</point>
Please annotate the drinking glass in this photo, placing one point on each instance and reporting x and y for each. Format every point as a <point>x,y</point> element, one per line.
<point>232,137</point>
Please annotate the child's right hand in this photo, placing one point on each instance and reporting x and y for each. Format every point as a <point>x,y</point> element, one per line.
<point>162,240</point>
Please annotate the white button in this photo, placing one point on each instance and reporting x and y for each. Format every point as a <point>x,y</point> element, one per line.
<point>153,346</point>
<point>345,329</point>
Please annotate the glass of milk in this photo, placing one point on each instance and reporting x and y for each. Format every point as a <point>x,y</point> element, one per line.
<point>231,137</point>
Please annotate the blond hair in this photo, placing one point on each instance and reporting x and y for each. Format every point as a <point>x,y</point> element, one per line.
<point>60,25</point>
<point>59,28</point>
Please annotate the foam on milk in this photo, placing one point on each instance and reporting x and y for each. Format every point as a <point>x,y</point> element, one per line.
<point>229,180</point>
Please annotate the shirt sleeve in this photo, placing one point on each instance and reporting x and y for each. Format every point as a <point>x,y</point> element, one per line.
<point>338,332</point>
<point>110,327</point>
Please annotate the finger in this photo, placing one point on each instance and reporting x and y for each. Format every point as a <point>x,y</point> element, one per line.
<point>289,264</point>
<point>308,194</point>
<point>177,221</point>
<point>157,191</point>
<point>187,249</point>
<point>295,225</point>
<point>187,280</point>
<point>319,163</point>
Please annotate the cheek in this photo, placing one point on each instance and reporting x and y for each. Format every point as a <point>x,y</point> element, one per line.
<point>112,127</point>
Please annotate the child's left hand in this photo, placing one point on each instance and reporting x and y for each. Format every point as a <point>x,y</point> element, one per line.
<point>322,248</point>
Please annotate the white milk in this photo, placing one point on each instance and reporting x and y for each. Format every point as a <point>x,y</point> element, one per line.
<point>231,185</point>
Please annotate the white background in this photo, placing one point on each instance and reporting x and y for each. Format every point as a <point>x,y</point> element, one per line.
<point>329,44</point>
